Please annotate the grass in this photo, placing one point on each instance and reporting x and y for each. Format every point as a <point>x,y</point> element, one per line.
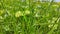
<point>29,17</point>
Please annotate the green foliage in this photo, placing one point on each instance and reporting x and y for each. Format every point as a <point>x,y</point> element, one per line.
<point>29,17</point>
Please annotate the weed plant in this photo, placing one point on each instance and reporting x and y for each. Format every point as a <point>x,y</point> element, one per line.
<point>29,17</point>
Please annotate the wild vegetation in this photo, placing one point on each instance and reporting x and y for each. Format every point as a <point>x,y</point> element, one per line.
<point>29,17</point>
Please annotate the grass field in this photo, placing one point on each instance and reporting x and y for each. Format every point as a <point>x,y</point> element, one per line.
<point>29,17</point>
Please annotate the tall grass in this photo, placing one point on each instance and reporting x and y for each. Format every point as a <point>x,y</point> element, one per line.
<point>29,17</point>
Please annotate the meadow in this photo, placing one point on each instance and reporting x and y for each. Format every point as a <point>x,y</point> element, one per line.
<point>29,17</point>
